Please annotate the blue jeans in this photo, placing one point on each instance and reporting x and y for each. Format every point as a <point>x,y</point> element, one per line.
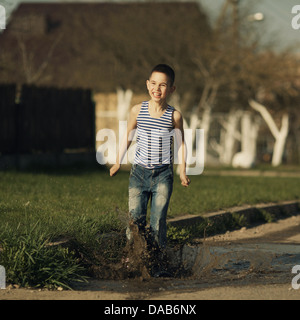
<point>156,185</point>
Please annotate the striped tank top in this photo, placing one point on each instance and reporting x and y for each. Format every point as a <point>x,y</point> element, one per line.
<point>154,138</point>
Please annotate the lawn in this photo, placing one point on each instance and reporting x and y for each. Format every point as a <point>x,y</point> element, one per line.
<point>94,194</point>
<point>212,193</point>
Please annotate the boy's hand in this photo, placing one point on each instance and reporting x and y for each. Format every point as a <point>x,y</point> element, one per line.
<point>185,180</point>
<point>114,169</point>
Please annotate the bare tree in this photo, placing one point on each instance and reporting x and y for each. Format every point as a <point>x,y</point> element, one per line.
<point>124,101</point>
<point>280,135</point>
<point>33,72</point>
<point>249,132</point>
<point>239,69</point>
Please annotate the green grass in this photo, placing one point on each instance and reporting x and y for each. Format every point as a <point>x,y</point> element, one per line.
<point>30,261</point>
<point>212,193</point>
<point>60,197</point>
<point>37,208</point>
<point>96,195</point>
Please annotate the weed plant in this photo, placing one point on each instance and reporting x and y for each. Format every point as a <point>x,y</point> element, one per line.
<point>31,261</point>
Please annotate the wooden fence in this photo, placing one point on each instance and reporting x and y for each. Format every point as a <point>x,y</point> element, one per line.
<point>47,120</point>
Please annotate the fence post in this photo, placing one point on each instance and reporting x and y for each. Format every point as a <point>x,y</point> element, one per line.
<point>2,18</point>
<point>2,278</point>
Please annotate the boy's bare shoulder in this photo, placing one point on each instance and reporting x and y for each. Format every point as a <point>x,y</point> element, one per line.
<point>135,110</point>
<point>177,115</point>
<point>177,119</point>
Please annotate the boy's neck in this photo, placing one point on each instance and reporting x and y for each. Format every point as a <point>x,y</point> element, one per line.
<point>158,106</point>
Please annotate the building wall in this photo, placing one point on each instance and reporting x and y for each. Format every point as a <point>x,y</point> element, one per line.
<point>106,111</point>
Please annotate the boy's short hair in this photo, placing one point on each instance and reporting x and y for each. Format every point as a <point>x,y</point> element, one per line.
<point>164,68</point>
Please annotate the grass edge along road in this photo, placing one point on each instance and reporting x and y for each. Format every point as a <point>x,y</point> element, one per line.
<point>37,209</point>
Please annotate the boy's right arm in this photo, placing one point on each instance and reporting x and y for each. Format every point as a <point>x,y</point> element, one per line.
<point>132,123</point>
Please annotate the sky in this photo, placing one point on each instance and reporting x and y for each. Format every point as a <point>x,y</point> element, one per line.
<point>277,18</point>
<point>276,23</point>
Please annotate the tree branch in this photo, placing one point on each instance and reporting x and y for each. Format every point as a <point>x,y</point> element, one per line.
<point>266,116</point>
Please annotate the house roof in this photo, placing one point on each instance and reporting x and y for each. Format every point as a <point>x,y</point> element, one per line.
<point>99,45</point>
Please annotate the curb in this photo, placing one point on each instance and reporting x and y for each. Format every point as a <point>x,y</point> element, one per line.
<point>253,173</point>
<point>233,218</point>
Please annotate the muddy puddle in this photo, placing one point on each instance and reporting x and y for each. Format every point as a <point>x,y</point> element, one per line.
<point>202,265</point>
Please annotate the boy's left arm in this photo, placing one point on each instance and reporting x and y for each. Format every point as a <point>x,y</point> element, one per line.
<point>178,124</point>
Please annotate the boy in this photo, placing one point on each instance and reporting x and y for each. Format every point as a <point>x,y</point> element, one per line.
<point>151,175</point>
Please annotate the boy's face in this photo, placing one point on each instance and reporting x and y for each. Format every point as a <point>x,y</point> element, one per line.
<point>159,86</point>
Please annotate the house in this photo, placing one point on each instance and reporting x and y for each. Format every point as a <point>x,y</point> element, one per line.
<point>101,46</point>
<point>98,45</point>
